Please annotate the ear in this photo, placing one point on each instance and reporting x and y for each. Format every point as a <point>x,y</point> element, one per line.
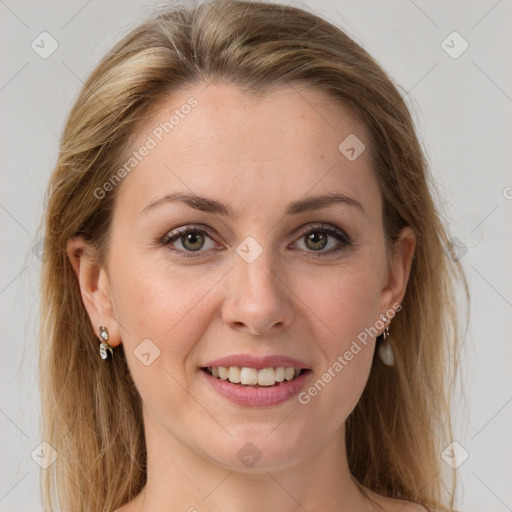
<point>396,283</point>
<point>94,288</point>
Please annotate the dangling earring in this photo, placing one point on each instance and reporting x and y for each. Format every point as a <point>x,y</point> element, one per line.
<point>385,349</point>
<point>104,346</point>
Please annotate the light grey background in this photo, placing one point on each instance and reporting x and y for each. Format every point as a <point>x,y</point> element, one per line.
<point>462,107</point>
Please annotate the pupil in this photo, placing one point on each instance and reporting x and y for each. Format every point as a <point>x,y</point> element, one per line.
<point>190,237</point>
<point>314,237</point>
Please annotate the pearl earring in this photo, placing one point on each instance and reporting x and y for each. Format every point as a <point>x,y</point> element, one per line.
<point>385,349</point>
<point>104,346</point>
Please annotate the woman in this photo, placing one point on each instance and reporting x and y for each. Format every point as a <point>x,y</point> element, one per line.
<point>247,301</point>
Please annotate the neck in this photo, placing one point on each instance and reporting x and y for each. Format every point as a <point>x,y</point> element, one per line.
<point>180,479</point>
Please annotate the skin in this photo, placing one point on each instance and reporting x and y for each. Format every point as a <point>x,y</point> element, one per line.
<point>246,153</point>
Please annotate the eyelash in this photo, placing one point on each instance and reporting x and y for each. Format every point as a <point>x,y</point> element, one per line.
<point>171,237</point>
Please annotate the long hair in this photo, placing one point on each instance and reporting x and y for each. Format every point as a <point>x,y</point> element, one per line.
<point>398,430</point>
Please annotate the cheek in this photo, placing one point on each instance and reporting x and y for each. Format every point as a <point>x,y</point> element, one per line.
<point>346,301</point>
<point>347,304</point>
<point>163,314</point>
<point>156,301</point>
<point>174,307</point>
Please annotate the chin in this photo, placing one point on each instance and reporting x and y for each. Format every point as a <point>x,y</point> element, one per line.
<point>255,448</point>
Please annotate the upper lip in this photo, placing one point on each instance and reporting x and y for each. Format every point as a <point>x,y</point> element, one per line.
<point>250,361</point>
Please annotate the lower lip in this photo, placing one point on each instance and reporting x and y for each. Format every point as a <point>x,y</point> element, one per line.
<point>257,397</point>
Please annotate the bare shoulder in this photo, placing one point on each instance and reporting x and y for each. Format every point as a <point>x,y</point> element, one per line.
<point>135,505</point>
<point>405,506</point>
<point>395,505</point>
<point>128,507</point>
<point>410,506</point>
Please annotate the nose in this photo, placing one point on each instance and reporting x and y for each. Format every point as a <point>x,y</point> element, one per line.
<point>259,299</point>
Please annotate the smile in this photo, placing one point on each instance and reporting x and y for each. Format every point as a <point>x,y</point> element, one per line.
<point>246,376</point>
<point>262,387</point>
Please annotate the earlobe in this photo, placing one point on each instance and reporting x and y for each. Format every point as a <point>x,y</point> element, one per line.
<point>93,283</point>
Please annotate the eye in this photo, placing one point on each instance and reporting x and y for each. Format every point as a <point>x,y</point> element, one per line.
<point>316,239</point>
<point>191,239</point>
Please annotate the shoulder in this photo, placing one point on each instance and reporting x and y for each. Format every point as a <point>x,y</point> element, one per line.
<point>410,506</point>
<point>387,504</point>
<point>394,505</point>
<point>405,506</point>
<point>124,508</point>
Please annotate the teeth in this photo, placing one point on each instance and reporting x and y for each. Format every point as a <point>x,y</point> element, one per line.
<point>266,377</point>
<point>252,376</point>
<point>249,376</point>
<point>234,374</point>
<point>289,373</point>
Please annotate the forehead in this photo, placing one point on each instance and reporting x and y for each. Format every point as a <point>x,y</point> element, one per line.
<point>218,140</point>
<point>227,116</point>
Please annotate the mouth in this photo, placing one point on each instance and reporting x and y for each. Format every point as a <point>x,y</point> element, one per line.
<point>249,377</point>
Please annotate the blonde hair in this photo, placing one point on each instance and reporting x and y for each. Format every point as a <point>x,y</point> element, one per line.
<point>92,411</point>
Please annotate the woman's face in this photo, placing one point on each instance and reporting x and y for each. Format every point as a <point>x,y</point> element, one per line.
<point>271,278</point>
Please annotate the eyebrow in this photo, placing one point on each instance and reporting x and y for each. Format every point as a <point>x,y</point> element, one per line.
<point>209,205</point>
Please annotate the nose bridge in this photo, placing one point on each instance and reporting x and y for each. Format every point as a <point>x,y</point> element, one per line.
<point>259,296</point>
<point>255,267</point>
<point>261,269</point>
